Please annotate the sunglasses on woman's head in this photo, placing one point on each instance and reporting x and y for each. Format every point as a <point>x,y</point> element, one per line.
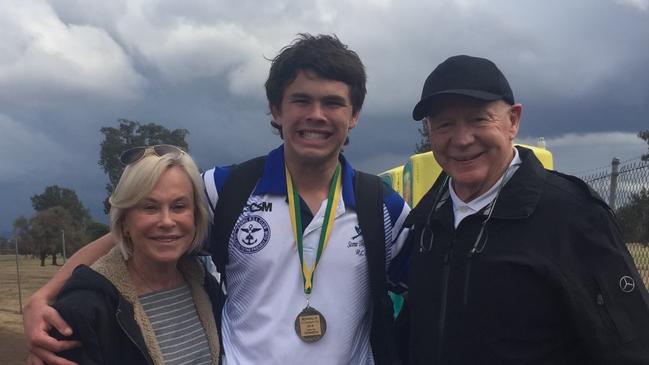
<point>135,154</point>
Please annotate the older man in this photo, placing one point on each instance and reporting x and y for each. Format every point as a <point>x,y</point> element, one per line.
<point>511,263</point>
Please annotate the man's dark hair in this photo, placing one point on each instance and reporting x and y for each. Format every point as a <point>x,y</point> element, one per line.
<point>322,54</point>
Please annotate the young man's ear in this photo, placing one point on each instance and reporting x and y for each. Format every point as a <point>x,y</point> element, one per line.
<point>275,112</point>
<point>352,123</point>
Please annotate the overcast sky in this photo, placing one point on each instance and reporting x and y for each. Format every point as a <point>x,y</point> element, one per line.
<point>69,67</point>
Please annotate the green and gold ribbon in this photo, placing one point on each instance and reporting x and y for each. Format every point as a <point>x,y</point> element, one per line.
<point>296,221</point>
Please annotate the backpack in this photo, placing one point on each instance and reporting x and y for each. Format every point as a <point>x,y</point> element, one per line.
<point>368,190</point>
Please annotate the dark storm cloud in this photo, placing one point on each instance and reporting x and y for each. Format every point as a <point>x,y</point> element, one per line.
<point>69,67</point>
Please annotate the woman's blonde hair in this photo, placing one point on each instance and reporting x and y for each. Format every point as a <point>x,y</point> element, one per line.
<point>139,179</point>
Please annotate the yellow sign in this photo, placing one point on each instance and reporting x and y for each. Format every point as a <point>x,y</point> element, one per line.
<point>421,170</point>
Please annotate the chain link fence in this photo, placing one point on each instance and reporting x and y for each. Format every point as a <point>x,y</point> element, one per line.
<point>625,186</point>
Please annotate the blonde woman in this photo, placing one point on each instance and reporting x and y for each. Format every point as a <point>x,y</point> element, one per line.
<point>149,300</point>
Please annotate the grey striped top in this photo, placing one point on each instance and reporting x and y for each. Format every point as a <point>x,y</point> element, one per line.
<point>177,328</point>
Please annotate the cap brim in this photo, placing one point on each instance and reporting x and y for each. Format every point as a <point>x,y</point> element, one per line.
<point>422,109</point>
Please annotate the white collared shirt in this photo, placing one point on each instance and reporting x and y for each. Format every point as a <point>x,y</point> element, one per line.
<point>265,287</point>
<point>462,210</point>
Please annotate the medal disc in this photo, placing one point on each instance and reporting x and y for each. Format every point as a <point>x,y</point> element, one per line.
<point>310,325</point>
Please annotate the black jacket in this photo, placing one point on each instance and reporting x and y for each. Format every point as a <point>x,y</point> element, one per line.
<point>548,287</point>
<point>105,320</point>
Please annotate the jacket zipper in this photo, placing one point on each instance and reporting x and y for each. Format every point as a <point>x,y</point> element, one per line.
<point>467,280</point>
<point>442,309</point>
<point>129,336</point>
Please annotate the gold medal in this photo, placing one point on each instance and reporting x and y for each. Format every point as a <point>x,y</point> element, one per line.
<point>310,325</point>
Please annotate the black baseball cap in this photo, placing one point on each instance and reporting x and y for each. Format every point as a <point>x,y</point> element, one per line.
<point>463,75</point>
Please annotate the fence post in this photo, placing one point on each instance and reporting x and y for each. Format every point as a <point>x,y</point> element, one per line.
<point>614,174</point>
<point>20,294</point>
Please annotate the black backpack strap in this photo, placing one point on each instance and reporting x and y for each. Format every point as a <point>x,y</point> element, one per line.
<point>368,190</point>
<point>232,199</point>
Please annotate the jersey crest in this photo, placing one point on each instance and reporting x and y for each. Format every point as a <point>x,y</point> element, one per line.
<point>252,233</point>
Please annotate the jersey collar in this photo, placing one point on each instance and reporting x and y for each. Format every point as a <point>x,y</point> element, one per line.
<point>273,180</point>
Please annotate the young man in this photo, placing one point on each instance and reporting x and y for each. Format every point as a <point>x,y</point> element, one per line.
<point>298,279</point>
<point>512,263</point>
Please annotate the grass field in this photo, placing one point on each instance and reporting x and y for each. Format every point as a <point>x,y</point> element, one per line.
<point>32,277</point>
<point>12,344</point>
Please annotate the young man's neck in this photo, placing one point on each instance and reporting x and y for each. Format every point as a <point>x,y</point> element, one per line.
<point>312,181</point>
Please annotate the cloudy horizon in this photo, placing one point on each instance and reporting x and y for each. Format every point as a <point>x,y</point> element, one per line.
<point>70,67</point>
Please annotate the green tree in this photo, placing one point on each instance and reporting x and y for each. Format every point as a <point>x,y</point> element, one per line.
<point>424,144</point>
<point>634,218</point>
<point>46,231</point>
<point>132,134</point>
<point>644,135</point>
<point>5,245</point>
<point>95,230</point>
<point>21,230</point>
<point>54,196</point>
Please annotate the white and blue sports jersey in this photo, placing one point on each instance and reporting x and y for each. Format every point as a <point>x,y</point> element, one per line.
<point>265,288</point>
